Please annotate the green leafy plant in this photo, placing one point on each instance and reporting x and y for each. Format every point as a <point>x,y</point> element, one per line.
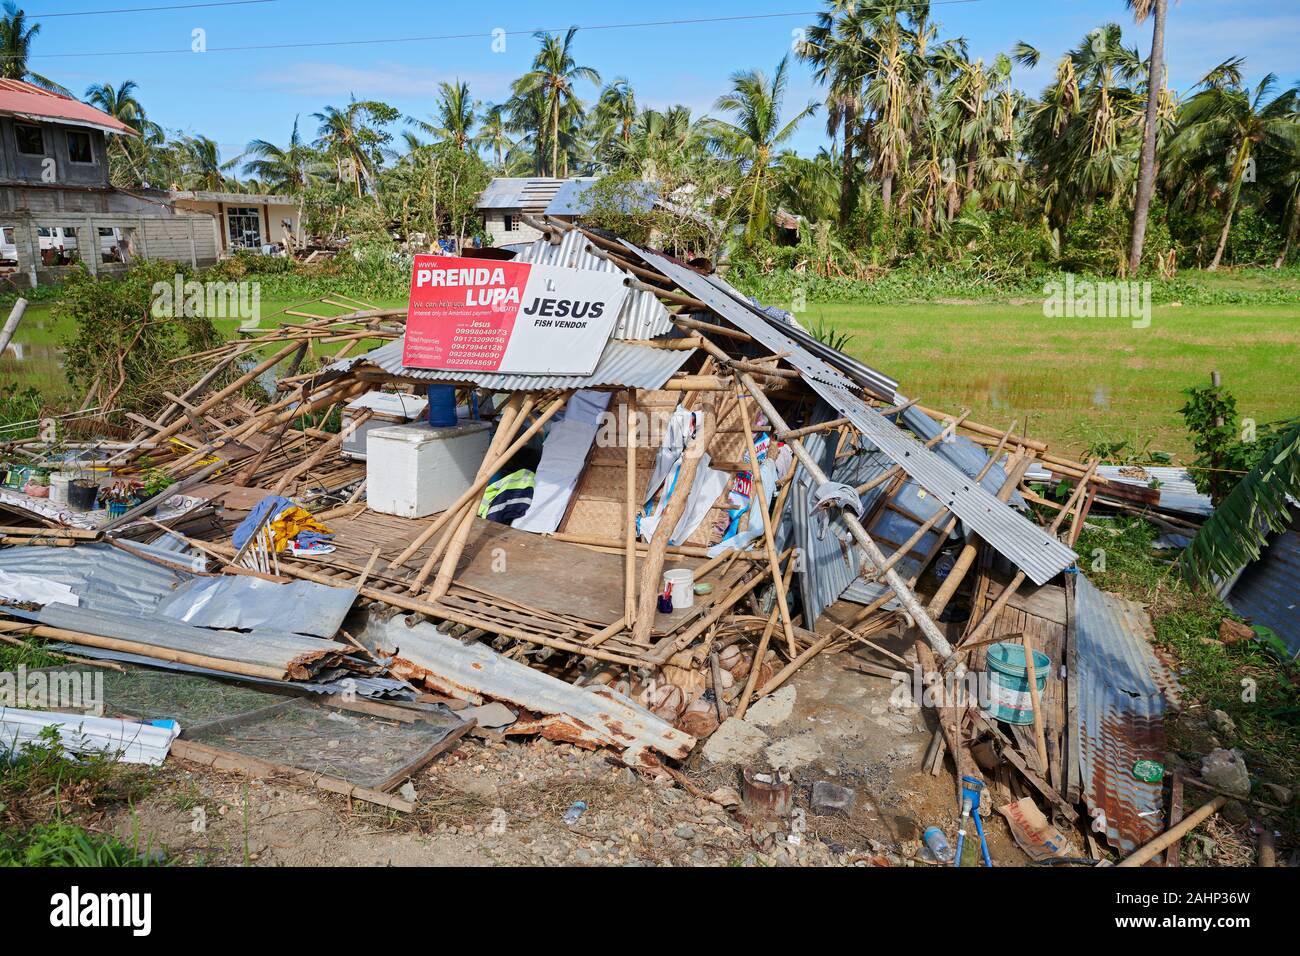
<point>1237,532</point>
<point>1223,453</point>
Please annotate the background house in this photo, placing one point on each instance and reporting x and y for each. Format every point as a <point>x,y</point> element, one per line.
<point>57,206</point>
<point>243,220</point>
<point>506,199</point>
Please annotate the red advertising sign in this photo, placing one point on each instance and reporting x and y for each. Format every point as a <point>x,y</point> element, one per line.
<point>485,315</point>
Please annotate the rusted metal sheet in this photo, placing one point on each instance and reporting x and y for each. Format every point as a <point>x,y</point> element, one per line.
<point>589,717</point>
<point>1124,690</point>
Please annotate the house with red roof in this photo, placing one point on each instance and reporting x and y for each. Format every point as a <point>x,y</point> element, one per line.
<point>58,207</point>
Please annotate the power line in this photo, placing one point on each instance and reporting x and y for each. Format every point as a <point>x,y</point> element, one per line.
<point>498,32</point>
<point>170,6</point>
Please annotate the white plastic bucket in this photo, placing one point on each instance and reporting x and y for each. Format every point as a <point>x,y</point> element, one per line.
<point>59,482</point>
<point>683,582</point>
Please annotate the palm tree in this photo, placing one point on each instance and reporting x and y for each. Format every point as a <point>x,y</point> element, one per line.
<point>1227,118</point>
<point>1083,132</point>
<point>289,170</point>
<point>494,133</point>
<point>455,117</point>
<point>15,47</point>
<point>352,142</point>
<point>121,103</point>
<point>837,47</point>
<point>616,113</point>
<point>554,73</point>
<point>202,165</point>
<point>753,139</point>
<point>1156,9</point>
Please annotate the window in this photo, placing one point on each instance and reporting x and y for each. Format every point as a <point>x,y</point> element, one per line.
<point>508,223</point>
<point>79,148</point>
<point>245,227</point>
<point>30,140</point>
<point>58,245</point>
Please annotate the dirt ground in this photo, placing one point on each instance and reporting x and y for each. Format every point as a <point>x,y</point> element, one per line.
<point>503,803</point>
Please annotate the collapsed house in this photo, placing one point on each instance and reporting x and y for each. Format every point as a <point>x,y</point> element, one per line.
<point>625,558</point>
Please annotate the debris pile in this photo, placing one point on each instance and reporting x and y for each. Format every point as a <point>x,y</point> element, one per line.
<point>625,559</point>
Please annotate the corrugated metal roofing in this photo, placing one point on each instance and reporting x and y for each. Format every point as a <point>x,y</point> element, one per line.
<point>570,201</point>
<point>127,741</point>
<point>832,562</point>
<point>375,688</point>
<point>292,654</point>
<point>1268,591</point>
<point>621,364</point>
<point>875,381</point>
<point>643,316</point>
<point>105,578</point>
<point>1177,490</point>
<point>960,450</point>
<point>18,98</point>
<point>1036,552</point>
<point>592,716</point>
<point>529,193</point>
<point>1123,690</point>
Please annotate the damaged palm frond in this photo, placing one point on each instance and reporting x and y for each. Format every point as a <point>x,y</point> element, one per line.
<point>1238,530</point>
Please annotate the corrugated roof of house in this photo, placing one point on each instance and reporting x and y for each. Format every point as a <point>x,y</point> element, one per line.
<point>26,101</point>
<point>530,193</point>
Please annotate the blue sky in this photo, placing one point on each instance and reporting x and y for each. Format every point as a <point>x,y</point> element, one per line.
<point>234,97</point>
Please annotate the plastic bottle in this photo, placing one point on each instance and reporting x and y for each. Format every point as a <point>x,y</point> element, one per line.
<point>574,812</point>
<point>938,844</point>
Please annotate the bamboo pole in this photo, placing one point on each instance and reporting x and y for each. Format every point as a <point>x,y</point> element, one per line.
<point>751,680</point>
<point>629,564</point>
<point>1036,701</point>
<point>147,650</point>
<point>177,426</point>
<point>906,596</point>
<point>769,542</point>
<point>326,447</point>
<point>673,510</point>
<point>11,324</point>
<point>986,623</point>
<point>456,543</point>
<point>1148,852</point>
<point>471,494</point>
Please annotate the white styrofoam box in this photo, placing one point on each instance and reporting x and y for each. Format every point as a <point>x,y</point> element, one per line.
<point>387,408</point>
<point>417,470</point>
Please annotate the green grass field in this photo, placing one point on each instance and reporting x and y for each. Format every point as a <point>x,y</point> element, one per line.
<point>1075,381</point>
<point>1068,381</point>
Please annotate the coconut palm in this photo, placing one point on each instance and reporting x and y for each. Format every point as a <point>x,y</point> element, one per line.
<point>121,103</point>
<point>288,170</point>
<point>494,132</point>
<point>753,139</point>
<point>615,118</point>
<point>1226,118</point>
<point>202,167</point>
<point>15,47</point>
<point>554,74</point>
<point>1142,9</point>
<point>353,137</point>
<point>455,117</point>
<point>837,47</point>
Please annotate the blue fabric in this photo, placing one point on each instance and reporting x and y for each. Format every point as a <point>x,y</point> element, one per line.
<point>266,510</point>
<point>308,538</point>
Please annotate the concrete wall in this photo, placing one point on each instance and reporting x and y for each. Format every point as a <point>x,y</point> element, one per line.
<point>181,238</point>
<point>20,167</point>
<point>494,224</point>
<point>271,217</point>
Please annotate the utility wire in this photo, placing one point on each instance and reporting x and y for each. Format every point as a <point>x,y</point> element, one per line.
<point>170,6</point>
<point>463,36</point>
